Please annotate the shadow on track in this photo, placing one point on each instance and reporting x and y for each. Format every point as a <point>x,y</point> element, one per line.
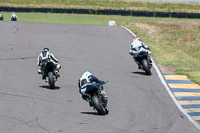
<point>90,113</point>
<point>140,73</point>
<point>48,87</point>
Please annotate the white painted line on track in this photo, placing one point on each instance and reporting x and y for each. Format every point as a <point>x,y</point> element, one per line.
<point>134,35</point>
<point>167,88</point>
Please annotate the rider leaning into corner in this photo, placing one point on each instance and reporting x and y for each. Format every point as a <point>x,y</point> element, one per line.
<point>86,84</point>
<point>43,57</point>
<point>136,47</point>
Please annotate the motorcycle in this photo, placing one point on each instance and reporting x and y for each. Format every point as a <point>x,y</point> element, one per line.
<point>144,62</point>
<point>98,100</point>
<point>13,19</point>
<point>49,73</point>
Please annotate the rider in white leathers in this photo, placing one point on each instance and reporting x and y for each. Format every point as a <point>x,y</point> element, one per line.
<point>43,57</point>
<point>13,17</point>
<point>136,47</point>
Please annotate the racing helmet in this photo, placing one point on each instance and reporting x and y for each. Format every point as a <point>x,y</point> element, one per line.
<point>45,49</point>
<point>137,38</point>
<point>86,74</point>
<point>46,53</point>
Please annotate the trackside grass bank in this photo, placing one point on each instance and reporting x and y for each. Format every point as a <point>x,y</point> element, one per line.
<point>174,42</point>
<point>136,5</point>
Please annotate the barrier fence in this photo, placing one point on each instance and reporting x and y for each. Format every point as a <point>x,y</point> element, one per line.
<point>102,12</point>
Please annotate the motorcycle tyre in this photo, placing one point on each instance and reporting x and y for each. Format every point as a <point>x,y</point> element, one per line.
<point>98,105</point>
<point>146,67</point>
<point>51,80</point>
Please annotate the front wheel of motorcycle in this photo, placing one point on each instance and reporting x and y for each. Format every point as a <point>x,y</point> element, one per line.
<point>98,105</point>
<point>51,80</point>
<point>146,66</point>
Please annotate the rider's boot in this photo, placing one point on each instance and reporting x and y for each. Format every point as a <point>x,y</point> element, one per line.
<point>39,71</point>
<point>43,77</point>
<point>46,79</point>
<point>90,103</point>
<point>139,67</point>
<point>149,59</point>
<point>85,97</point>
<point>42,72</point>
<point>139,64</point>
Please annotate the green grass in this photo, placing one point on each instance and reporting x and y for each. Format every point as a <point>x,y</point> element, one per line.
<point>107,4</point>
<point>63,18</point>
<point>77,18</point>
<point>174,42</point>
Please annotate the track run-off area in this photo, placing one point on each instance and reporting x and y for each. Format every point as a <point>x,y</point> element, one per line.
<point>137,103</point>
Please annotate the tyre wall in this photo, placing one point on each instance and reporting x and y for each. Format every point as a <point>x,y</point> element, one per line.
<point>102,12</point>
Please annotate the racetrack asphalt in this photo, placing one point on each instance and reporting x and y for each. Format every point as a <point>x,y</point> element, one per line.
<point>137,103</point>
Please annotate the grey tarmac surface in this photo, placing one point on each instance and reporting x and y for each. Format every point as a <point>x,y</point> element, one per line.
<point>138,103</point>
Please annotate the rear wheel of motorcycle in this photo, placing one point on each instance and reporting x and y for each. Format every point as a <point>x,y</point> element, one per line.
<point>51,80</point>
<point>146,67</point>
<point>98,105</point>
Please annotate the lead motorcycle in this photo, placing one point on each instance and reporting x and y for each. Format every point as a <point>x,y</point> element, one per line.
<point>98,100</point>
<point>49,73</point>
<point>144,62</point>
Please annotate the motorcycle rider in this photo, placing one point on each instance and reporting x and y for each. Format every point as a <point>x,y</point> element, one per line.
<point>43,57</point>
<point>87,83</point>
<point>13,17</point>
<point>136,47</point>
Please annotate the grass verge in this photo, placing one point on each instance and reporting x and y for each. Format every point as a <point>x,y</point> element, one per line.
<point>174,42</point>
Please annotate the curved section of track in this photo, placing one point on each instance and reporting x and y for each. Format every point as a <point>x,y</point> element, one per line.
<point>138,103</point>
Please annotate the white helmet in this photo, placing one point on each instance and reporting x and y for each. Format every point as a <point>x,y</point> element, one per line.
<point>86,74</point>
